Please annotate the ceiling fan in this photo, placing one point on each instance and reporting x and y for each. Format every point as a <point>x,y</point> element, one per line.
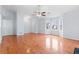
<point>39,12</point>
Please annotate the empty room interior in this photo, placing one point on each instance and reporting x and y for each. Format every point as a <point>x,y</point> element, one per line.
<point>39,29</point>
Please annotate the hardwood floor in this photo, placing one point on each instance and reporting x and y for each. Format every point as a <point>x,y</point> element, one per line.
<point>37,44</point>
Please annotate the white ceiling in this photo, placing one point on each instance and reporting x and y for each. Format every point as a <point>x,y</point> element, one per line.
<point>53,9</point>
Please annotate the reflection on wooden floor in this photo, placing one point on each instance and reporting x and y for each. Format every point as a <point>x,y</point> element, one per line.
<point>37,44</point>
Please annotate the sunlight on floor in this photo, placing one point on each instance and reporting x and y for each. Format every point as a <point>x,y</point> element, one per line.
<point>55,44</point>
<point>48,42</point>
<point>28,50</point>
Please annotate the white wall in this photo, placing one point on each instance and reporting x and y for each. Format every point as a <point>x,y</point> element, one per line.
<point>8,22</point>
<point>27,24</point>
<point>41,24</point>
<point>20,23</point>
<point>38,24</point>
<point>34,24</point>
<point>12,22</point>
<point>0,26</point>
<point>71,24</point>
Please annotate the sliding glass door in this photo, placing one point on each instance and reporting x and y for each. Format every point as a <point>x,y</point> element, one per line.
<point>54,26</point>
